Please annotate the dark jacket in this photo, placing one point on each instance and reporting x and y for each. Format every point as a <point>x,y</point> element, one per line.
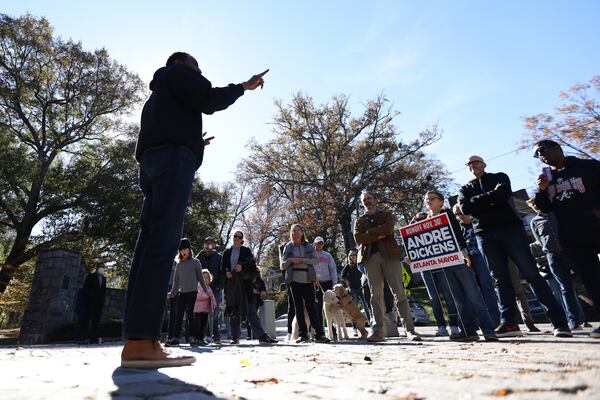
<point>462,243</point>
<point>173,113</point>
<point>368,228</point>
<point>238,289</point>
<point>246,260</point>
<point>491,208</point>
<point>574,196</point>
<point>544,228</point>
<point>352,274</point>
<point>258,286</point>
<point>94,292</point>
<point>468,233</point>
<point>213,264</point>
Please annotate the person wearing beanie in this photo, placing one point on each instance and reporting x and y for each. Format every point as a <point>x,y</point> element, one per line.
<point>188,275</point>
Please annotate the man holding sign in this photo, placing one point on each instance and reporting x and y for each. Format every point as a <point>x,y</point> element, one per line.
<point>170,149</point>
<point>381,255</point>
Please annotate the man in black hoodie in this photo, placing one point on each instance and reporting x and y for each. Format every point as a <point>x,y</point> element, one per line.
<point>571,189</point>
<point>170,149</point>
<point>211,260</point>
<point>500,235</point>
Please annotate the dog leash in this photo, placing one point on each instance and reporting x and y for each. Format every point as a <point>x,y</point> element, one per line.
<point>321,289</point>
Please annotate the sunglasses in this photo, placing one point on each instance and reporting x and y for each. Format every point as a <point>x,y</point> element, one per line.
<point>237,237</point>
<point>539,150</point>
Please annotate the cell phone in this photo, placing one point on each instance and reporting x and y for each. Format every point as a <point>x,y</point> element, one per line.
<point>547,171</point>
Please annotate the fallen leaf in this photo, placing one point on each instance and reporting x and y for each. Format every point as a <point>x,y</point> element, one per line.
<point>269,381</point>
<point>502,392</point>
<point>245,362</point>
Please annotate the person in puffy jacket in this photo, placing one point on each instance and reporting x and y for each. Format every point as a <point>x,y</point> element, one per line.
<point>204,306</point>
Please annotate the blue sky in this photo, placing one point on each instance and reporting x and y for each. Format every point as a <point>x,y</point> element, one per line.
<point>473,67</point>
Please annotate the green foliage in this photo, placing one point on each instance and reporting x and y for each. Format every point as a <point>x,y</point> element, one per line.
<point>280,299</point>
<point>207,211</point>
<point>60,105</point>
<point>14,300</point>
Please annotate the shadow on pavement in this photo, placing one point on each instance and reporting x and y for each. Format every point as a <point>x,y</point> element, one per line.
<point>151,383</point>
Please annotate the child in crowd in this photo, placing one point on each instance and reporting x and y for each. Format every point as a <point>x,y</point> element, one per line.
<point>205,305</point>
<point>437,290</point>
<point>471,306</point>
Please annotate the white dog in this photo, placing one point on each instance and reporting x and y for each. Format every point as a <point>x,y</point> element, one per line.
<point>333,313</point>
<point>296,328</point>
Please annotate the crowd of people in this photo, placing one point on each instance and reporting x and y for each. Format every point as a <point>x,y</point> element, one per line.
<point>198,290</point>
<point>480,293</point>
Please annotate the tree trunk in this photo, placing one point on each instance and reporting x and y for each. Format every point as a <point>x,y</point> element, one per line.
<point>6,274</point>
<point>345,221</point>
<point>13,261</point>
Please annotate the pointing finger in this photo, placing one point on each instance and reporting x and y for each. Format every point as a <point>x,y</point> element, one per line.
<point>263,73</point>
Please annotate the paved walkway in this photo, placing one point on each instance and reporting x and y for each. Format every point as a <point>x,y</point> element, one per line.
<point>537,366</point>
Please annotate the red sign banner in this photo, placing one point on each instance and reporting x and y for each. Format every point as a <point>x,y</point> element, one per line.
<point>431,244</point>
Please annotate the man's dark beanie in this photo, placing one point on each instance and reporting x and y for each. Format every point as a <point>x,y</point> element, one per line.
<point>185,244</point>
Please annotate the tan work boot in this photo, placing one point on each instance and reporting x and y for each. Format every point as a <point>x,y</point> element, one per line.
<point>376,337</point>
<point>150,354</point>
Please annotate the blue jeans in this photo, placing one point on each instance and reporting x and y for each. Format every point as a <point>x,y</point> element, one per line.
<point>216,323</point>
<point>472,309</point>
<point>561,271</point>
<point>482,274</point>
<point>587,266</point>
<point>498,245</point>
<point>166,176</point>
<point>580,319</point>
<point>435,281</point>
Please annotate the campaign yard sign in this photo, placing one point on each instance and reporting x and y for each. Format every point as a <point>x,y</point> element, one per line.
<point>431,244</point>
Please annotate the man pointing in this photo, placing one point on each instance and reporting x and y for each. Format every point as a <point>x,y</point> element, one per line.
<point>169,150</point>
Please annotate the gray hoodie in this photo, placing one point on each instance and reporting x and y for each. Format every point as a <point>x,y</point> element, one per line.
<point>188,274</point>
